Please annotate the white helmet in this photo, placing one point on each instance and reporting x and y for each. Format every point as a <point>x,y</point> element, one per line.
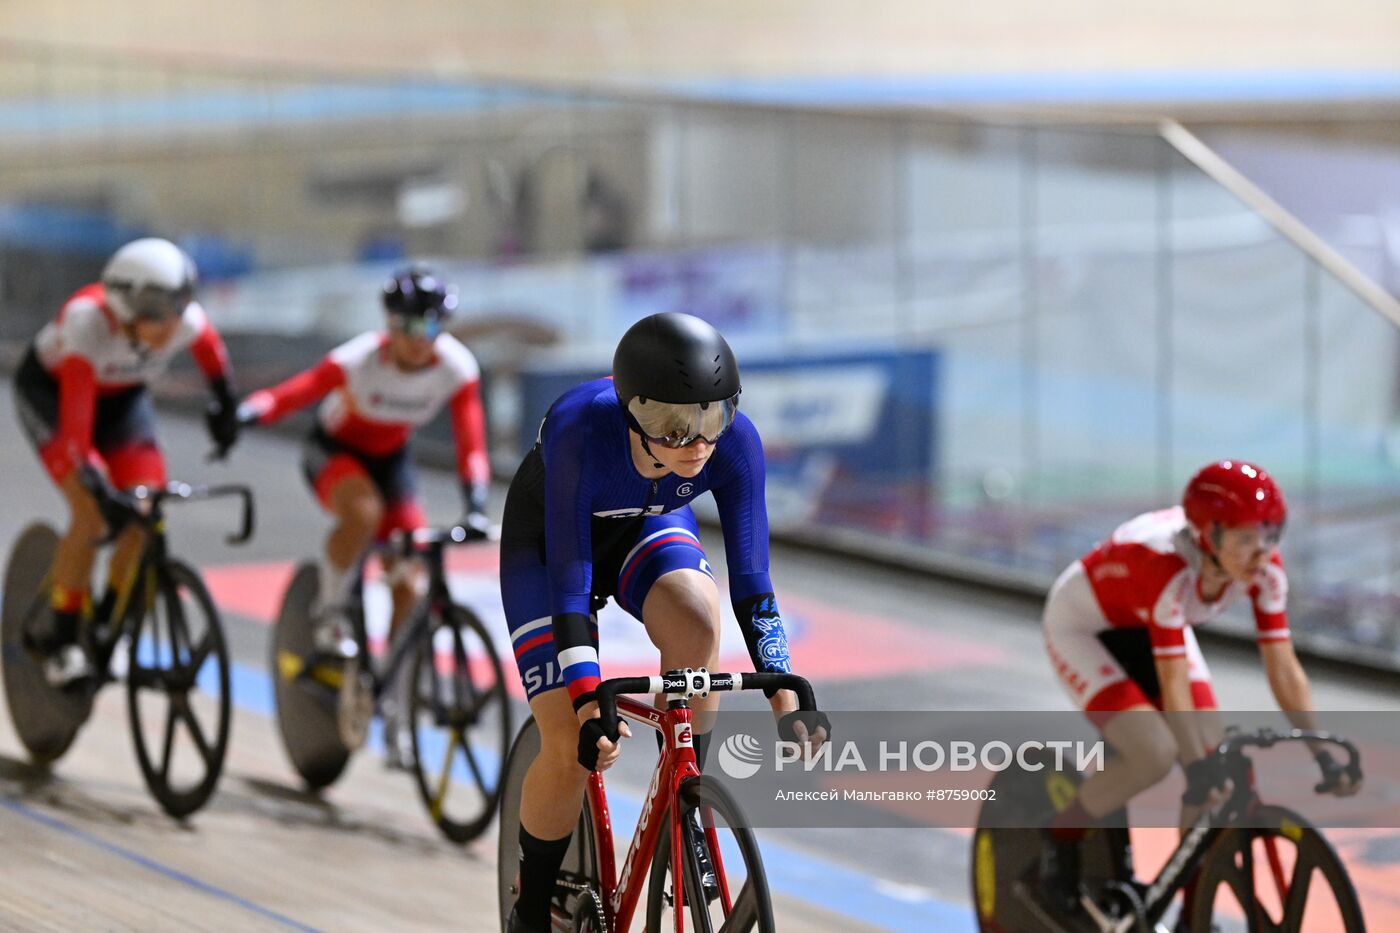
<point>149,279</point>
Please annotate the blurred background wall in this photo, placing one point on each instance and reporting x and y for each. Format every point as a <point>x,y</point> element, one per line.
<point>991,296</point>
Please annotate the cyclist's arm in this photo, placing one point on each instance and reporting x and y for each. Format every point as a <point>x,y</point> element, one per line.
<point>207,348</point>
<point>301,390</point>
<point>469,430</point>
<point>211,356</point>
<point>1268,595</point>
<point>1167,630</point>
<point>77,408</point>
<point>739,492</point>
<point>569,553</point>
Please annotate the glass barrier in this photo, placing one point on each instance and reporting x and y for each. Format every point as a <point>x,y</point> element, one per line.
<point>971,344</point>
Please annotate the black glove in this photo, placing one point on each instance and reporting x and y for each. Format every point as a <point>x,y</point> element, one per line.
<point>812,719</point>
<point>1202,776</point>
<point>221,417</point>
<point>474,511</point>
<point>588,735</point>
<point>116,507</point>
<point>1332,772</point>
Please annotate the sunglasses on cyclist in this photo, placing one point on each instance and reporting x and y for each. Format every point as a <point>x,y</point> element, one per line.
<point>159,305</point>
<point>676,424</point>
<point>426,327</point>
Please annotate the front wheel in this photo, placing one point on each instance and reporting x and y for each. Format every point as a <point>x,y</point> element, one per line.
<point>459,714</point>
<point>1280,874</point>
<point>178,693</point>
<point>724,886</point>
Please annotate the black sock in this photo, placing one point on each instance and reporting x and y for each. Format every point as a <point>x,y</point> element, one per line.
<point>540,860</point>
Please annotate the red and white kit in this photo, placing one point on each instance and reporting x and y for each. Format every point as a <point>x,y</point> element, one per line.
<point>372,407</point>
<point>1145,576</point>
<point>91,358</point>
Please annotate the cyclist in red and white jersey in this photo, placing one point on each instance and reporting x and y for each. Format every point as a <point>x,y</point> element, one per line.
<point>81,394</point>
<point>1118,629</point>
<point>375,391</point>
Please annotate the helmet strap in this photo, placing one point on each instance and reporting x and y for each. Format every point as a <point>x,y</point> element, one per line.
<point>647,448</point>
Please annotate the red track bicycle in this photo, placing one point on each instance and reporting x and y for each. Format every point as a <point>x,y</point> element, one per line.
<point>721,885</point>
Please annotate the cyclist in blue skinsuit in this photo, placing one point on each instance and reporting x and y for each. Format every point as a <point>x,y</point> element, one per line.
<point>601,508</point>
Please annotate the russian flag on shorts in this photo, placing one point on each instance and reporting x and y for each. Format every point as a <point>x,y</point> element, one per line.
<point>581,671</point>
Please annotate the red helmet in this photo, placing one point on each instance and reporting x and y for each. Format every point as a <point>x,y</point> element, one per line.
<point>1233,493</point>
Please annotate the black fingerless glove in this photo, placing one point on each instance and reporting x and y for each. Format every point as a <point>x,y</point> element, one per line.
<point>812,719</point>
<point>1202,776</point>
<point>588,735</point>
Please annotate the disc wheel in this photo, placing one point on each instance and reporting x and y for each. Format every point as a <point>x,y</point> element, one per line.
<point>46,718</point>
<point>1006,849</point>
<point>1279,877</point>
<point>579,873</point>
<point>306,690</point>
<point>178,693</point>
<point>738,899</point>
<point>461,730</point>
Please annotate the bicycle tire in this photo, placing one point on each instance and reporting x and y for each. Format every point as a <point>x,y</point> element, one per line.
<point>752,907</point>
<point>190,648</point>
<point>46,719</point>
<point>1225,865</point>
<point>306,707</point>
<point>462,714</point>
<point>580,866</point>
<point>523,752</point>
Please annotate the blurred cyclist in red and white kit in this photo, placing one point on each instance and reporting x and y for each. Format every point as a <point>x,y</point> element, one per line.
<point>378,388</point>
<point>81,393</point>
<point>1118,628</point>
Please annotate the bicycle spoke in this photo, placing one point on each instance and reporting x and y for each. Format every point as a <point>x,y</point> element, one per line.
<point>146,678</point>
<point>1296,901</point>
<point>197,733</point>
<point>472,764</point>
<point>201,654</point>
<point>168,746</point>
<point>445,775</point>
<point>744,915</point>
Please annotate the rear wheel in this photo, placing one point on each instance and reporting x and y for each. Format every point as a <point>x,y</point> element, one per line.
<point>1006,848</point>
<point>1280,876</point>
<point>46,718</point>
<point>307,688</point>
<point>460,717</point>
<point>178,693</point>
<point>712,829</point>
<point>579,892</point>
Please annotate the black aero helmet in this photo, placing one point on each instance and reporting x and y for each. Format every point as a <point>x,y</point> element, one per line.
<point>674,357</point>
<point>414,292</point>
<point>677,379</point>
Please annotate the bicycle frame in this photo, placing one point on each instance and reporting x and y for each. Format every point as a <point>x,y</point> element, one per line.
<point>1212,824</point>
<point>676,765</point>
<point>154,553</point>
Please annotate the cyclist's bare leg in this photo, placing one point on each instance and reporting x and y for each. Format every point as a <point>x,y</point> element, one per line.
<point>358,510</point>
<point>72,561</point>
<point>1146,749</point>
<point>681,613</point>
<point>125,554</point>
<point>553,791</point>
<point>406,578</point>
